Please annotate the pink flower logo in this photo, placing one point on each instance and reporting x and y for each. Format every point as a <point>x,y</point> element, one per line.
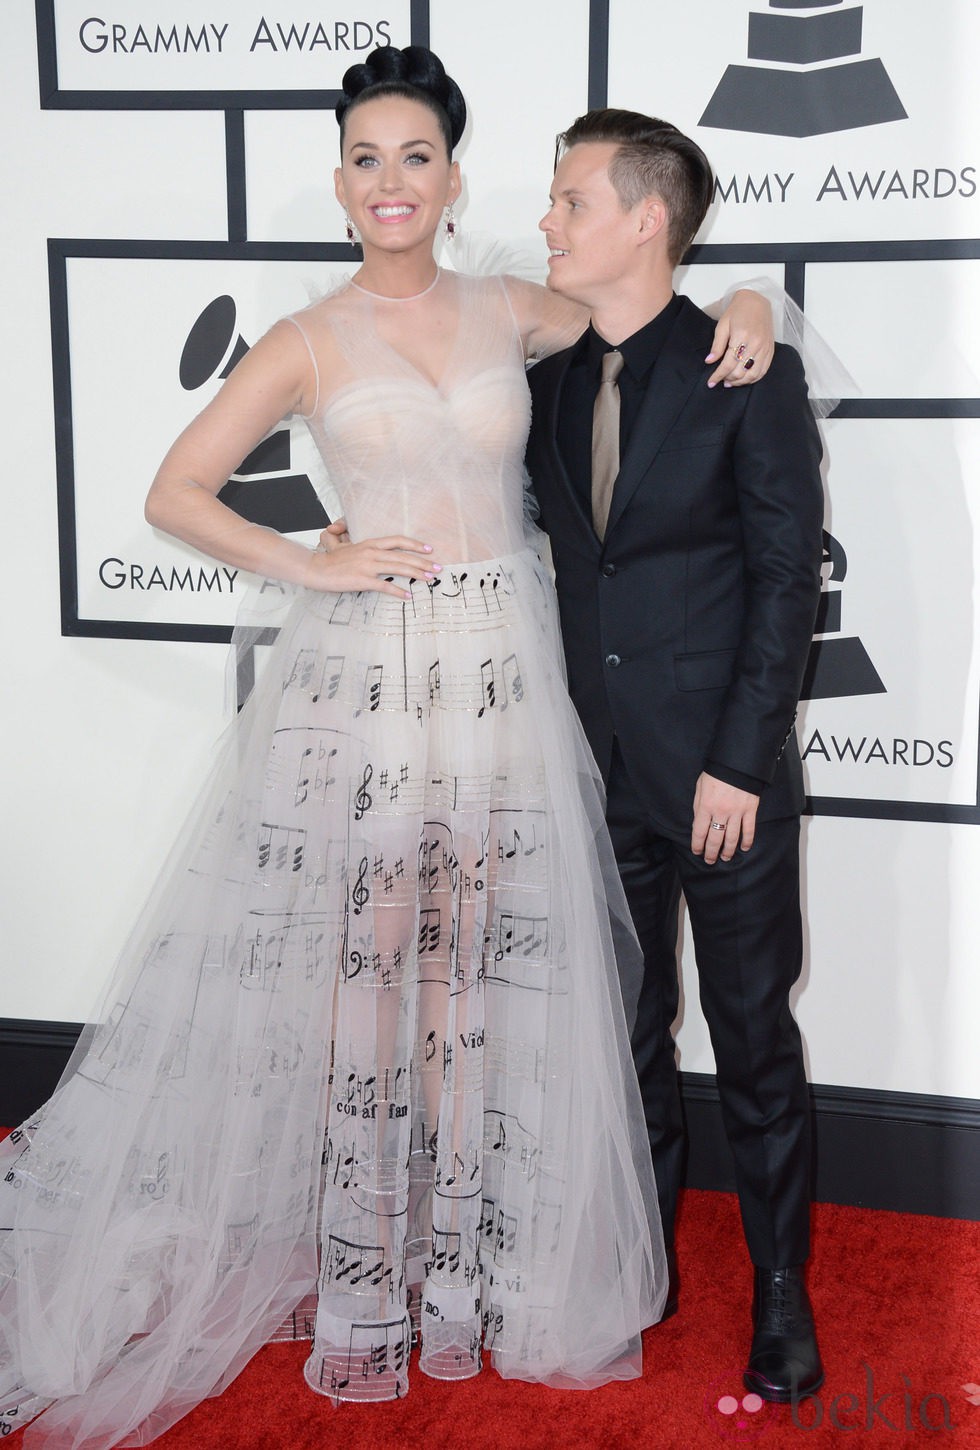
<point>737,1414</point>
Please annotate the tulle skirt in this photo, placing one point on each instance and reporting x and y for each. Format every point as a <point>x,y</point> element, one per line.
<point>364,1068</point>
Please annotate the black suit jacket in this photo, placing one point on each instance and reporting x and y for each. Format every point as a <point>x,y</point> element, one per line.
<point>687,630</point>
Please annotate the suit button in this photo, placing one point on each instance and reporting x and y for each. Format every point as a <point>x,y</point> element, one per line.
<point>612,661</point>
<point>609,570</point>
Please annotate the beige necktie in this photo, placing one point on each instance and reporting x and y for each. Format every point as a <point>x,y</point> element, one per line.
<point>605,440</point>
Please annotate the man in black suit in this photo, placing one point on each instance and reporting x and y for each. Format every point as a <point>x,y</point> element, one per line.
<point>687,601</point>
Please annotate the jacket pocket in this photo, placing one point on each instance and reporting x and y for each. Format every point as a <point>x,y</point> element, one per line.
<point>708,670</point>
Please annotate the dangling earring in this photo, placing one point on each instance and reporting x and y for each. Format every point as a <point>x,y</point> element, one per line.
<point>450,223</point>
<point>351,229</point>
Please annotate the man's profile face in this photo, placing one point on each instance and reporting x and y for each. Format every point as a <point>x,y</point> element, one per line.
<point>592,240</point>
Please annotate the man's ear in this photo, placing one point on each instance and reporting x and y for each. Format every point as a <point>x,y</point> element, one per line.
<point>654,218</point>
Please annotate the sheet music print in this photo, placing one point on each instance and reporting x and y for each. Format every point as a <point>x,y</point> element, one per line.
<point>512,1142</point>
<point>518,935</point>
<point>371,699</point>
<point>363,799</point>
<point>155,1183</point>
<point>498,1228</point>
<point>457,1175</point>
<point>487,688</point>
<point>280,849</point>
<point>239,1238</point>
<point>347,1264</point>
<point>262,955</point>
<point>382,1094</point>
<point>375,1352</point>
<point>446,1252</point>
<point>317,675</point>
<point>314,778</point>
<point>341,1162</point>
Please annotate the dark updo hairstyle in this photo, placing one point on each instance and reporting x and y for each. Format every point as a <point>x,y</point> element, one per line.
<point>415,73</point>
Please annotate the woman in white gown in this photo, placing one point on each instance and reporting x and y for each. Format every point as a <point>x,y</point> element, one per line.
<point>365,1063</point>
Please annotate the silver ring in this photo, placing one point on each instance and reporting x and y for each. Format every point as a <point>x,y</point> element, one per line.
<point>717,825</point>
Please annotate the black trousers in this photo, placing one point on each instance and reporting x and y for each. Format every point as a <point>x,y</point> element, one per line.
<point>748,939</point>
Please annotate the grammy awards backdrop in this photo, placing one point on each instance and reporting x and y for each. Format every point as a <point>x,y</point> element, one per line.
<point>167,182</point>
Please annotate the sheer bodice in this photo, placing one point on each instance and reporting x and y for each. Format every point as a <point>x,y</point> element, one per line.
<point>439,458</point>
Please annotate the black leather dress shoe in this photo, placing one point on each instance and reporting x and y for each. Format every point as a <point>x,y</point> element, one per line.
<point>784,1362</point>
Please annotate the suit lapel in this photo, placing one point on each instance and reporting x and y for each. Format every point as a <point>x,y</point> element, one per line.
<point>678,371</point>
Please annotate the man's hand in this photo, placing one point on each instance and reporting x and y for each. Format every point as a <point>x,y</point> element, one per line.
<point>743,344</point>
<point>338,565</point>
<point>723,817</point>
<point>334,535</point>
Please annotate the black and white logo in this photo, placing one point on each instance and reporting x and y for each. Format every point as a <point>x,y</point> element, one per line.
<point>264,488</point>
<point>839,665</point>
<point>806,75</point>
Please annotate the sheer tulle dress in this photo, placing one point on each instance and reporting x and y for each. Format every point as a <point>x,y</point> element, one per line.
<point>364,1066</point>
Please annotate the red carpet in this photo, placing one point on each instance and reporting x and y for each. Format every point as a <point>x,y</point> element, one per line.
<point>897,1300</point>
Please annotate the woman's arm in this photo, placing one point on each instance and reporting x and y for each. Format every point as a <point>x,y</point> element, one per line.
<point>273,379</point>
<point>744,335</point>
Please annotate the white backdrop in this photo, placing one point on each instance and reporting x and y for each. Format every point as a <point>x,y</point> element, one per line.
<point>105,739</point>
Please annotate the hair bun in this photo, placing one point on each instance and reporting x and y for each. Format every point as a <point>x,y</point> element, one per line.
<point>415,67</point>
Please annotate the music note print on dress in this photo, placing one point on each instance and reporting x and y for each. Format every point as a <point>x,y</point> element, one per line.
<point>521,936</point>
<point>363,800</point>
<point>456,1176</point>
<point>342,1160</point>
<point>329,682</point>
<point>493,583</point>
<point>238,1238</point>
<point>262,962</point>
<point>319,676</point>
<point>513,684</point>
<point>445,1251</point>
<point>434,684</point>
<point>361,893</point>
<point>313,775</point>
<point>156,1184</point>
<point>374,1352</point>
<point>347,1263</point>
<point>280,848</point>
<point>430,930</point>
<point>488,688</point>
<point>498,1229</point>
<point>372,688</point>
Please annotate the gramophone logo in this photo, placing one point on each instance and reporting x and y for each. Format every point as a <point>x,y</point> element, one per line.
<point>263,489</point>
<point>839,664</point>
<point>809,77</point>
